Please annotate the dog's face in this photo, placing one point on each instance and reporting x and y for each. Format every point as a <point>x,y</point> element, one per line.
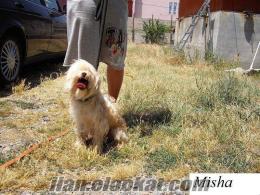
<point>82,80</point>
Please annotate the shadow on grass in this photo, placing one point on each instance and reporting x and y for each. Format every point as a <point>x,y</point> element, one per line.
<point>109,145</point>
<point>148,119</point>
<point>34,73</point>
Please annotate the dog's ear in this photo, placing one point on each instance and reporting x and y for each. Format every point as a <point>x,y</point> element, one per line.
<point>68,84</point>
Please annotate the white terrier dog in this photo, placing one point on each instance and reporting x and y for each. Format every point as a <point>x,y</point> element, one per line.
<point>96,117</point>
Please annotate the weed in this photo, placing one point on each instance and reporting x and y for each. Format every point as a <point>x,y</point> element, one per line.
<point>20,88</point>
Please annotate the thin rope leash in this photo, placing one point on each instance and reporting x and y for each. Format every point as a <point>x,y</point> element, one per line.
<point>31,149</point>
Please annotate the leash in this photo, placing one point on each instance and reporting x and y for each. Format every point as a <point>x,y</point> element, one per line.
<point>101,14</point>
<point>31,149</point>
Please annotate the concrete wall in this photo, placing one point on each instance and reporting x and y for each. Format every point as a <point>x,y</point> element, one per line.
<point>228,35</point>
<point>157,8</point>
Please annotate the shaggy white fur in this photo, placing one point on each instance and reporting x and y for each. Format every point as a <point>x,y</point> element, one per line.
<point>95,115</point>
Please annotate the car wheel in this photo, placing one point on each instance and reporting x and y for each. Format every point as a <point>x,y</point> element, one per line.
<point>10,59</point>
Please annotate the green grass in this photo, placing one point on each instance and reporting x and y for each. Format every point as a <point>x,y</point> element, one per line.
<point>160,159</point>
<point>181,118</point>
<point>2,160</point>
<point>226,90</point>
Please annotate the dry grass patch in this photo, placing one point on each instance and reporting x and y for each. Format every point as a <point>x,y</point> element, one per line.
<point>182,118</point>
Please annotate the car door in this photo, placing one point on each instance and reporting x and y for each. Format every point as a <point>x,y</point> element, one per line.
<point>59,30</point>
<point>37,24</point>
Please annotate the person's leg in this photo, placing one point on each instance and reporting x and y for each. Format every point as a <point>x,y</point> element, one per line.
<point>114,81</point>
<point>114,45</point>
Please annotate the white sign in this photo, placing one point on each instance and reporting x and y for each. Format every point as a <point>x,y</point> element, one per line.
<point>173,7</point>
<point>224,184</point>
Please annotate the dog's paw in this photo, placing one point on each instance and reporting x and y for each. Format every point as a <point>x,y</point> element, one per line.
<point>79,145</point>
<point>121,136</point>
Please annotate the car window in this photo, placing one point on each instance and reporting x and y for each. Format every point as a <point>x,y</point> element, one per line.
<point>52,4</point>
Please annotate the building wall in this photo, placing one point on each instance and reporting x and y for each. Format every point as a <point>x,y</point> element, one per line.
<point>158,9</point>
<point>228,35</point>
<point>189,8</point>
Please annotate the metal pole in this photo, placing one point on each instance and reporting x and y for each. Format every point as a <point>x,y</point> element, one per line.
<point>207,31</point>
<point>252,64</point>
<point>171,29</point>
<point>133,28</point>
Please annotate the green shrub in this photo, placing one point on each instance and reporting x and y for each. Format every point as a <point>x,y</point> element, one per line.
<point>154,31</point>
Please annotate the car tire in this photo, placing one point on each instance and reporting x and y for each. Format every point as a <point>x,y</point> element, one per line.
<point>10,59</point>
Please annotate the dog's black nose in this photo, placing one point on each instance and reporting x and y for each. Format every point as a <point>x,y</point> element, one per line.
<point>83,74</point>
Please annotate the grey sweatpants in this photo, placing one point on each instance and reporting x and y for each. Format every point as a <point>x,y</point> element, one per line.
<point>84,33</point>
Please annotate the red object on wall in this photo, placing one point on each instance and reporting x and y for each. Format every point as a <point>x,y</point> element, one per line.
<point>189,8</point>
<point>63,4</point>
<point>130,8</point>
